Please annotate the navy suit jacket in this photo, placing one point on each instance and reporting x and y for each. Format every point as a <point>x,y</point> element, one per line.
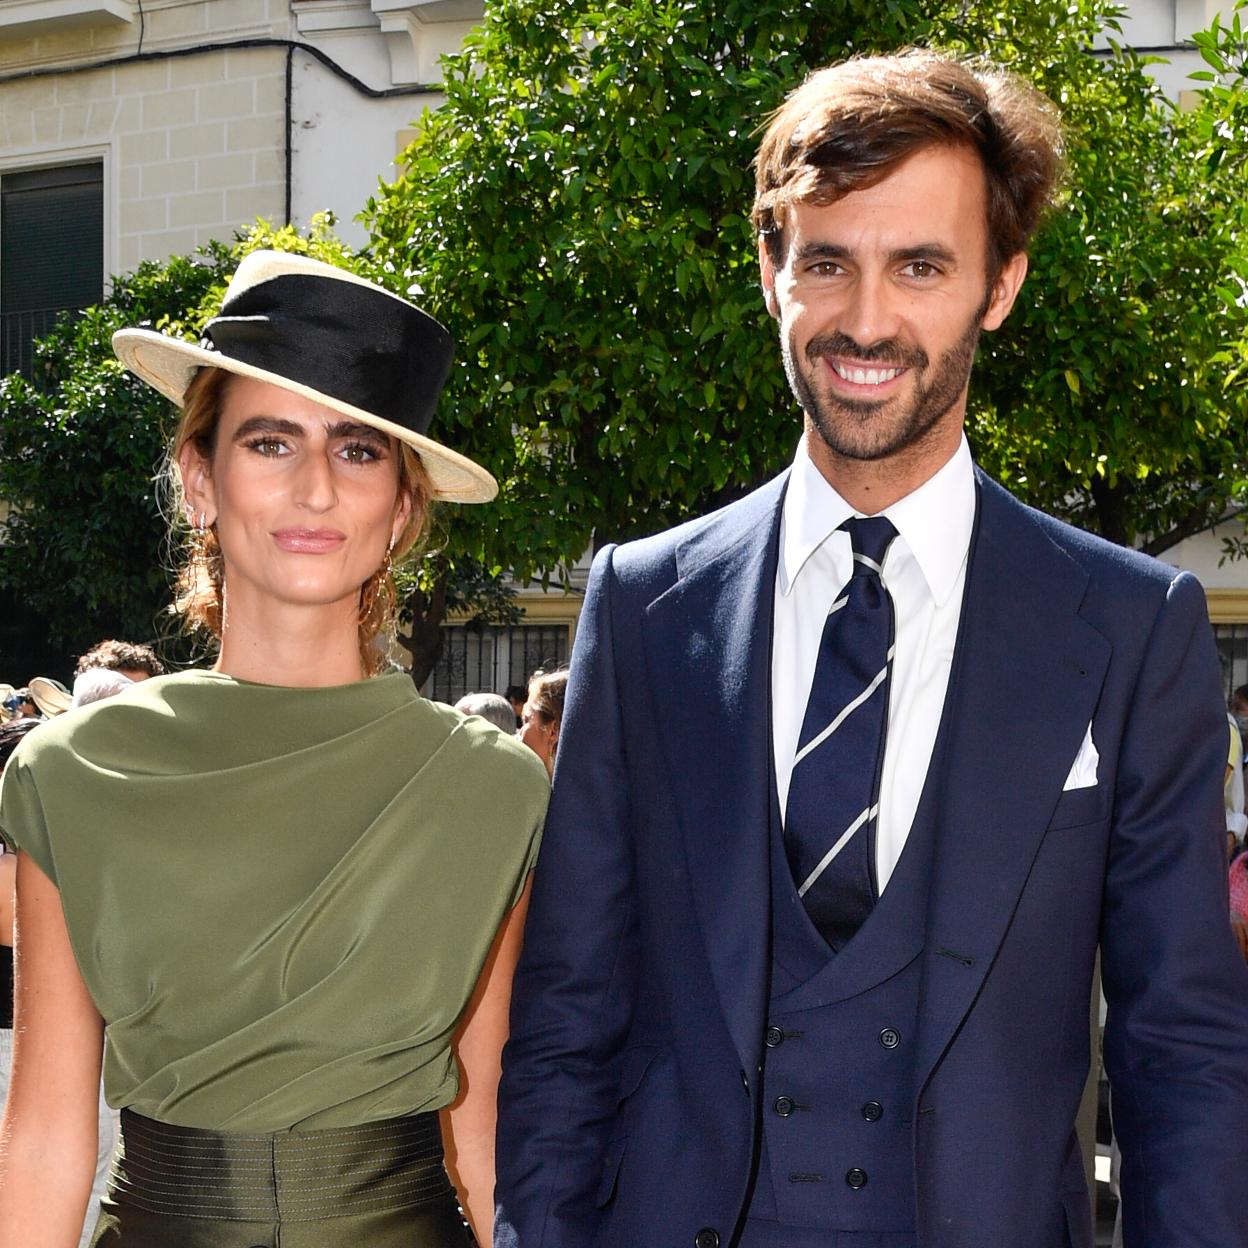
<point>630,1089</point>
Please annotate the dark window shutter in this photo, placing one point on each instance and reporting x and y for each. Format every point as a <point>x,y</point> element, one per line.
<point>51,252</point>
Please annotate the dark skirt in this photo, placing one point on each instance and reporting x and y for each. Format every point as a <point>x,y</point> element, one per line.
<point>382,1184</point>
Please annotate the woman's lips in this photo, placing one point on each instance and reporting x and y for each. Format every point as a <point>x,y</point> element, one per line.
<point>309,541</point>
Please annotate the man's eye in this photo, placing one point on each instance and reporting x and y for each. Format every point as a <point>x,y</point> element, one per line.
<point>921,268</point>
<point>825,268</point>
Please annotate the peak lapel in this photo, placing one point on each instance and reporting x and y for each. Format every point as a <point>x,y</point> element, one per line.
<point>708,645</point>
<point>1029,673</point>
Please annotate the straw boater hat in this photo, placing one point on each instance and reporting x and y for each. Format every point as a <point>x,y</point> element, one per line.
<point>332,337</point>
<point>50,696</point>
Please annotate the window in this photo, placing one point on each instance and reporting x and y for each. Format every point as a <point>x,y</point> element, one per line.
<point>481,658</point>
<point>51,252</point>
<point>1232,641</point>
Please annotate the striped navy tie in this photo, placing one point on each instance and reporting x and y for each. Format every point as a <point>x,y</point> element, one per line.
<point>833,803</point>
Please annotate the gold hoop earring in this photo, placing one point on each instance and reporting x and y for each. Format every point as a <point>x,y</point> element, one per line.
<point>377,594</point>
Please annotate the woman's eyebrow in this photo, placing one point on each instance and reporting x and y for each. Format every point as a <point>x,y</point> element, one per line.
<point>268,424</point>
<point>355,429</point>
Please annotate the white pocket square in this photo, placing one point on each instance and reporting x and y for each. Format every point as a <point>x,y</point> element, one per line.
<point>1083,773</point>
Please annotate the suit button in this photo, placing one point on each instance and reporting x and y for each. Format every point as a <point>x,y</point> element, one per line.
<point>873,1111</point>
<point>857,1179</point>
<point>774,1037</point>
<point>707,1237</point>
<point>784,1106</point>
<point>890,1037</point>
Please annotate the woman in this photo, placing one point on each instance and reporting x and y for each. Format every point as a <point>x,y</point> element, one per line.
<point>275,884</point>
<point>543,714</point>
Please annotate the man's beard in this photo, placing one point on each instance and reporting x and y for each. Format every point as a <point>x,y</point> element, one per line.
<point>865,429</point>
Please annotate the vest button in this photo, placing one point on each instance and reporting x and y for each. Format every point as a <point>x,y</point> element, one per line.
<point>873,1111</point>
<point>707,1237</point>
<point>856,1178</point>
<point>774,1037</point>
<point>890,1037</point>
<point>784,1106</point>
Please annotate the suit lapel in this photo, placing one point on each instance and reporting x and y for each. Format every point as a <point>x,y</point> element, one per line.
<point>708,645</point>
<point>1029,673</point>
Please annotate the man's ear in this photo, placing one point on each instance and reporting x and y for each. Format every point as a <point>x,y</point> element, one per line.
<point>767,277</point>
<point>1005,290</point>
<point>195,473</point>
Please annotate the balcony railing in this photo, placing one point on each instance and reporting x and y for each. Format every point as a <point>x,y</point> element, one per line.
<point>18,331</point>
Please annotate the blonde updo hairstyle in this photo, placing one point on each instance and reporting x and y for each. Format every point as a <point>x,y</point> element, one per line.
<point>198,588</point>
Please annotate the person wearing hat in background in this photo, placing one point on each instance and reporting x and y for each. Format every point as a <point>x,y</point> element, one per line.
<point>50,696</point>
<point>17,703</point>
<point>288,889</point>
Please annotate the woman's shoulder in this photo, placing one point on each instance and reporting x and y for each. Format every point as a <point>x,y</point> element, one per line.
<point>489,751</point>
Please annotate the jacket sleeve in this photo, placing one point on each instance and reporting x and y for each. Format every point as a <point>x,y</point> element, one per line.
<point>575,985</point>
<point>1176,1039</point>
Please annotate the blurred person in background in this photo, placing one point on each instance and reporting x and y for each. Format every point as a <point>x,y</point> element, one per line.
<point>542,716</point>
<point>111,667</point>
<point>50,696</point>
<point>18,704</point>
<point>516,696</point>
<point>492,707</point>
<point>132,660</point>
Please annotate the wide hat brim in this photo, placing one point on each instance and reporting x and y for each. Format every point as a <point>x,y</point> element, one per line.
<point>50,696</point>
<point>169,364</point>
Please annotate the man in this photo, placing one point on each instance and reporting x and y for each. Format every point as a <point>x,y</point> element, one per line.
<point>859,772</point>
<point>129,658</point>
<point>111,667</point>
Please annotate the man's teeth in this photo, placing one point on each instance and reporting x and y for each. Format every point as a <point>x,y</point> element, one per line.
<point>867,376</point>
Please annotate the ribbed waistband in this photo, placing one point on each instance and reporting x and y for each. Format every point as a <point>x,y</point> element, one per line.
<point>285,1177</point>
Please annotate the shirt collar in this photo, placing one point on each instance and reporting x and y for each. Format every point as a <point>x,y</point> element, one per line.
<point>935,520</point>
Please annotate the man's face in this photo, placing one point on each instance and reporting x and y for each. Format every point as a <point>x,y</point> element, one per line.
<point>881,298</point>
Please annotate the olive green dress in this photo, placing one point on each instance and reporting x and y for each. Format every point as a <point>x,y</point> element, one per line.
<point>280,899</point>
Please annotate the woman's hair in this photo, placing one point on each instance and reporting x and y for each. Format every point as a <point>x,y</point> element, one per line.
<point>546,694</point>
<point>198,586</point>
<point>12,735</point>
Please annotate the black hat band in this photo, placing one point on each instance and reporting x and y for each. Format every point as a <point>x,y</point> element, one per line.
<point>350,342</point>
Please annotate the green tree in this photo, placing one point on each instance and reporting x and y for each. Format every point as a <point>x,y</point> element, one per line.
<point>577,211</point>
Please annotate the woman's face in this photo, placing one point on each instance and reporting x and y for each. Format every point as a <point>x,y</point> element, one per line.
<point>539,733</point>
<point>305,501</point>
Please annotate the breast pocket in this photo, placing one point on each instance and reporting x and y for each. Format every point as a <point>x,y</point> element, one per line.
<point>1077,806</point>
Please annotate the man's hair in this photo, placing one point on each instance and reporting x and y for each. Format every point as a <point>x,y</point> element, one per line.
<point>492,707</point>
<point>849,126</point>
<point>118,656</point>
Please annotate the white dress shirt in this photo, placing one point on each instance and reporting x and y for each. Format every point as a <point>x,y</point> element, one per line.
<point>925,572</point>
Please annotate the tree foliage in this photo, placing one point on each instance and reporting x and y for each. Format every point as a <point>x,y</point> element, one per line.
<point>578,212</point>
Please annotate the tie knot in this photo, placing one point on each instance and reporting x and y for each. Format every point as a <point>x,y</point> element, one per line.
<point>870,537</point>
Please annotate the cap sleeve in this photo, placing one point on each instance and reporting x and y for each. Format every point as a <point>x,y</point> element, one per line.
<point>22,823</point>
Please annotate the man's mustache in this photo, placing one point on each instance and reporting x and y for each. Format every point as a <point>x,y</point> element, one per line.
<point>887,351</point>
